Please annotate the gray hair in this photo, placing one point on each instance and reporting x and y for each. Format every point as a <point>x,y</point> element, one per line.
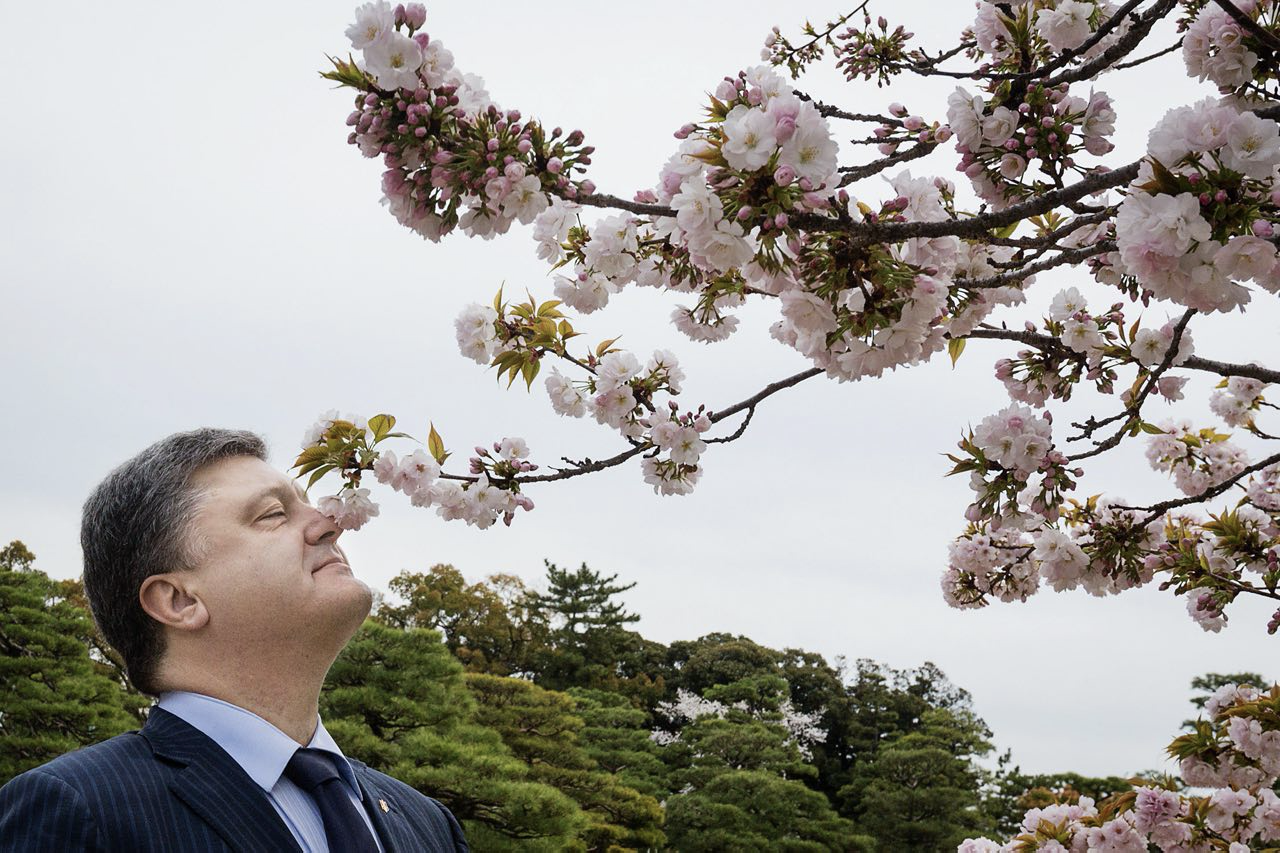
<point>138,523</point>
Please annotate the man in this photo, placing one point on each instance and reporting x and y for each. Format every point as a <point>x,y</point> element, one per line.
<point>229,598</point>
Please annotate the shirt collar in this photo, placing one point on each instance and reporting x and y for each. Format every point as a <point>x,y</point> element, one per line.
<point>260,748</point>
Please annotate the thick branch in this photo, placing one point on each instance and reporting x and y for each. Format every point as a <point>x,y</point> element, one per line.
<point>980,225</point>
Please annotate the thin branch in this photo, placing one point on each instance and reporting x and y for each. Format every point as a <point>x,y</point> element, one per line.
<point>736,434</point>
<point>1150,56</point>
<point>1046,343</point>
<point>1132,410</point>
<point>1156,510</point>
<point>590,466</point>
<point>1069,256</point>
<point>767,391</point>
<point>857,173</point>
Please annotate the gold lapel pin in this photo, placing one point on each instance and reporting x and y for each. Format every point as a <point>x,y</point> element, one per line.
<point>383,803</point>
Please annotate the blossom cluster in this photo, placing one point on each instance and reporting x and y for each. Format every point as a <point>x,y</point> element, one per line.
<point>1048,128</point>
<point>1199,219</point>
<point>1234,753</point>
<point>803,728</point>
<point>1217,48</point>
<point>453,158</point>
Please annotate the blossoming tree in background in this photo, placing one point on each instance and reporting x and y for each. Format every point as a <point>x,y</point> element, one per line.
<point>1233,756</point>
<point>759,202</point>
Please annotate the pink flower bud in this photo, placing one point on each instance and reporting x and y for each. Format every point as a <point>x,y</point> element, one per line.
<point>684,131</point>
<point>422,39</point>
<point>744,213</point>
<point>780,221</point>
<point>784,175</point>
<point>913,123</point>
<point>1263,228</point>
<point>554,165</point>
<point>524,146</point>
<point>588,187</point>
<point>897,109</point>
<point>415,15</point>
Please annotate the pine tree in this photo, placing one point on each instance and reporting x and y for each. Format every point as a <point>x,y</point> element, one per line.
<point>586,628</point>
<point>615,734</point>
<point>53,697</point>
<point>541,728</point>
<point>397,700</point>
<point>919,794</point>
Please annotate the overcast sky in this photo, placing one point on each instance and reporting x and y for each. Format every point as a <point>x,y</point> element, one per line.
<point>188,240</point>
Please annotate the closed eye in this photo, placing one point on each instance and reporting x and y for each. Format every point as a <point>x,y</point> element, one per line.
<point>273,515</point>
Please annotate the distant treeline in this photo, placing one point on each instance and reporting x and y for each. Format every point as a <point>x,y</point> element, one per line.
<point>545,723</point>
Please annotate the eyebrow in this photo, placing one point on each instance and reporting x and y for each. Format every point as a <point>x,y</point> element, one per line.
<point>281,491</point>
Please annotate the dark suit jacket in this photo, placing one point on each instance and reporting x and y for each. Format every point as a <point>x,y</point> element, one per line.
<point>171,788</point>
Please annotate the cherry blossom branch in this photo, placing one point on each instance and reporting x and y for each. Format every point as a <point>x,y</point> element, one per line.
<point>1156,510</point>
<point>857,173</point>
<point>1069,256</point>
<point>1261,33</point>
<point>1159,53</point>
<point>1122,48</point>
<point>1046,343</point>
<point>981,224</point>
<point>1131,411</point>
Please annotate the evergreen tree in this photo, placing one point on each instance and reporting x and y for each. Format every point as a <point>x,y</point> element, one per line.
<point>616,736</point>
<point>542,729</point>
<point>53,697</point>
<point>920,790</point>
<point>397,700</point>
<point>586,629</point>
<point>758,810</point>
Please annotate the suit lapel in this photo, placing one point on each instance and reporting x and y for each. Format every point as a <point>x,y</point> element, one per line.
<point>392,826</point>
<point>215,787</point>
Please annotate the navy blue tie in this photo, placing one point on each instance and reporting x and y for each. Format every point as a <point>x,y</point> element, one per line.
<point>312,771</point>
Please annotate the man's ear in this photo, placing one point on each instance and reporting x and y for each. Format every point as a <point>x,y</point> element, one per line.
<point>165,598</point>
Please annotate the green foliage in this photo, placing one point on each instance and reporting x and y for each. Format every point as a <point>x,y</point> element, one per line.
<point>615,735</point>
<point>920,790</point>
<point>397,700</point>
<point>542,729</point>
<point>54,696</point>
<point>758,810</point>
<point>488,626</point>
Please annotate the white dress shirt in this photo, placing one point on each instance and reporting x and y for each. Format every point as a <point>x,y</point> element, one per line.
<point>263,751</point>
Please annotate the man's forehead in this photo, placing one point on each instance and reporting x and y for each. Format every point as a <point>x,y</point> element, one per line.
<point>243,477</point>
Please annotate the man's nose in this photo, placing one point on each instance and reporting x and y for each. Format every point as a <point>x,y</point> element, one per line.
<point>322,528</point>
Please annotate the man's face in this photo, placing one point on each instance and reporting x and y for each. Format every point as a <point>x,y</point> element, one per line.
<point>262,570</point>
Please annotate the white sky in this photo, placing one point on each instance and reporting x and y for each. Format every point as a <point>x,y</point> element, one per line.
<point>187,240</point>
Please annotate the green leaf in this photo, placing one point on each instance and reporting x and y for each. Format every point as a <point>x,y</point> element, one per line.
<point>1150,429</point>
<point>435,445</point>
<point>497,302</point>
<point>319,472</point>
<point>955,346</point>
<point>604,346</point>
<point>381,425</point>
<point>530,372</point>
